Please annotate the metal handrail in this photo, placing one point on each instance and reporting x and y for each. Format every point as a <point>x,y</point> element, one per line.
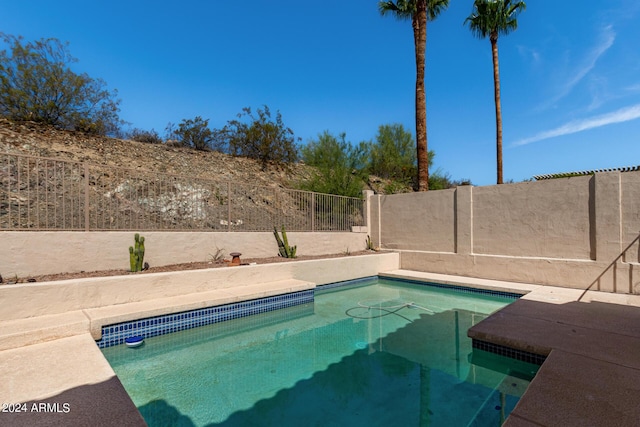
<point>615,260</point>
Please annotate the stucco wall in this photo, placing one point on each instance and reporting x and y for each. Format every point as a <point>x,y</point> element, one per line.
<point>631,213</point>
<point>34,253</point>
<point>540,219</point>
<point>562,232</point>
<point>39,299</point>
<point>424,221</point>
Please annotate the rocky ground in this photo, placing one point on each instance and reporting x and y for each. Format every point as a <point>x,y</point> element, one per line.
<point>35,139</point>
<point>38,140</point>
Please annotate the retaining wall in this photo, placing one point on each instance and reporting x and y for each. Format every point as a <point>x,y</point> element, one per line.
<point>25,253</point>
<point>26,300</point>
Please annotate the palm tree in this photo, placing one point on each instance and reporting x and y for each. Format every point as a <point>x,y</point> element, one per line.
<point>419,11</point>
<point>492,18</point>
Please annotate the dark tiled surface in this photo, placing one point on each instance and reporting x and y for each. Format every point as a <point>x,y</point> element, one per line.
<point>524,356</point>
<point>160,325</point>
<point>456,288</point>
<point>356,282</point>
<point>223,329</point>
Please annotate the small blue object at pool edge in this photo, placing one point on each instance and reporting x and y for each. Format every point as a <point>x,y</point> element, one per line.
<point>134,341</point>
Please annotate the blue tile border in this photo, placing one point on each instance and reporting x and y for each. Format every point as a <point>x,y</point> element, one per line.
<point>159,325</point>
<point>456,288</point>
<point>363,281</point>
<point>512,353</point>
<point>186,338</point>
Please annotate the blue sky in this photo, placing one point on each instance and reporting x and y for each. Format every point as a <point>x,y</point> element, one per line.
<point>570,73</point>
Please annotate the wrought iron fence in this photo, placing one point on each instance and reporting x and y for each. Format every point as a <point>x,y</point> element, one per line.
<point>39,193</point>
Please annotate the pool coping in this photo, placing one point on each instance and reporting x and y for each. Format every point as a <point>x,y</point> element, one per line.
<point>59,358</point>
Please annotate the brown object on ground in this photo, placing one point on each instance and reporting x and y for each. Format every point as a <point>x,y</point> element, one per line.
<point>236,258</point>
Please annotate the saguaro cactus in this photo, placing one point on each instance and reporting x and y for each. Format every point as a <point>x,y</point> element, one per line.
<point>136,254</point>
<point>284,249</point>
<point>140,254</point>
<point>132,258</point>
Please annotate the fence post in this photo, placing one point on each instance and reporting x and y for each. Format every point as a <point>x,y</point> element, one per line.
<point>228,205</point>
<point>86,196</point>
<point>367,196</point>
<point>277,208</point>
<point>313,211</point>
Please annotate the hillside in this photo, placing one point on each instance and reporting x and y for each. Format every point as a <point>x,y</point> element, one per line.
<point>35,139</point>
<point>39,140</point>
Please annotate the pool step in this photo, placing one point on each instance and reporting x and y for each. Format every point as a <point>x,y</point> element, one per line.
<point>33,330</point>
<point>102,316</point>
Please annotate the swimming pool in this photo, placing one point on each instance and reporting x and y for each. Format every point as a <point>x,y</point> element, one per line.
<point>382,352</point>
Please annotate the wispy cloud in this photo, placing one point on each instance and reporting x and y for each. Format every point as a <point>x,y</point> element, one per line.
<point>607,38</point>
<point>529,54</point>
<point>598,86</point>
<point>619,116</point>
<point>633,88</point>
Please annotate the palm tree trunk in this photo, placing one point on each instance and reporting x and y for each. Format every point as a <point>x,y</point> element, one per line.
<point>496,86</point>
<point>420,39</point>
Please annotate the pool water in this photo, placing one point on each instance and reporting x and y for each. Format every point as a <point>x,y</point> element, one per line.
<point>385,353</point>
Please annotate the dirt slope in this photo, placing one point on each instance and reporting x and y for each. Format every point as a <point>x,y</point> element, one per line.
<point>38,140</point>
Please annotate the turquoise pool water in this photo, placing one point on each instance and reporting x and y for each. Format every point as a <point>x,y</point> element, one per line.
<point>384,353</point>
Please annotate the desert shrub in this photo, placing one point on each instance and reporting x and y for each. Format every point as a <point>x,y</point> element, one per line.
<point>260,137</point>
<point>148,136</point>
<point>439,180</point>
<point>393,154</point>
<point>37,84</point>
<point>338,165</point>
<point>195,133</point>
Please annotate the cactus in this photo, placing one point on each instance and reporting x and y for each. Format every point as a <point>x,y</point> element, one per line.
<point>132,259</point>
<point>140,254</point>
<point>136,254</point>
<point>284,249</point>
<point>369,243</point>
<point>292,252</point>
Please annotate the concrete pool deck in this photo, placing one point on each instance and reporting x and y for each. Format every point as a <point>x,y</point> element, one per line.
<point>589,378</point>
<point>63,382</point>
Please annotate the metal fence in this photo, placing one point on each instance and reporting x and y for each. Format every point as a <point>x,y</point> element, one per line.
<point>39,193</point>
